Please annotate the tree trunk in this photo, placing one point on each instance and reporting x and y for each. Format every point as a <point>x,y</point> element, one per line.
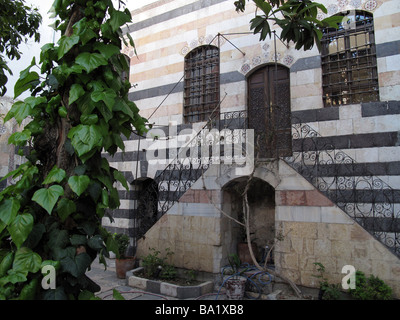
<point>52,143</point>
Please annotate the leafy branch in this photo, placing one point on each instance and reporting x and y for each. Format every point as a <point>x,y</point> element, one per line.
<point>298,20</point>
<point>77,110</point>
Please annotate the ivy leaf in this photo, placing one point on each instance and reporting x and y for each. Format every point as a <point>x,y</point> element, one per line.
<point>56,294</point>
<point>85,138</point>
<point>77,265</point>
<point>78,240</point>
<point>83,31</point>
<point>96,242</point>
<point>26,260</point>
<point>75,93</point>
<point>58,239</point>
<point>121,105</point>
<point>20,228</point>
<point>13,277</point>
<point>55,175</point>
<point>90,61</point>
<point>47,197</point>
<point>19,110</point>
<point>8,210</point>
<point>79,184</point>
<point>27,80</point>
<point>119,18</point>
<point>121,178</point>
<point>55,264</point>
<point>65,44</point>
<point>20,138</point>
<point>89,119</point>
<point>106,50</point>
<point>107,96</point>
<point>65,208</point>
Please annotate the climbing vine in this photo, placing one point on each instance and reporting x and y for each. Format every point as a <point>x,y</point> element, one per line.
<point>78,108</point>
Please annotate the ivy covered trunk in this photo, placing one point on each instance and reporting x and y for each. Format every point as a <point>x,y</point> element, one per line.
<point>52,214</point>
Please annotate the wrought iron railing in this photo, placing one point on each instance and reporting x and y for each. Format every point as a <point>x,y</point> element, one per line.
<point>366,198</point>
<point>185,169</point>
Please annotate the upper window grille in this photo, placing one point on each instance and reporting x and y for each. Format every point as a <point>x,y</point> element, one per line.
<point>349,71</point>
<point>201,87</point>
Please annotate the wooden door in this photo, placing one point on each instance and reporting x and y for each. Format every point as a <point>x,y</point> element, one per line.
<point>269,111</point>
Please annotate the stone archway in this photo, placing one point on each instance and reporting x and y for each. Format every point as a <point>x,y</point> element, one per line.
<point>261,199</point>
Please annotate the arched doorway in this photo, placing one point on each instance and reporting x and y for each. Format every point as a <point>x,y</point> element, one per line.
<point>269,110</point>
<point>261,201</point>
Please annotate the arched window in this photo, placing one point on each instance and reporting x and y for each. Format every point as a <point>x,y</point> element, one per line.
<point>348,56</point>
<point>201,88</point>
<point>269,111</point>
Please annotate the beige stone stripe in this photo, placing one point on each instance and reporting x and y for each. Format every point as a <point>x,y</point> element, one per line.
<point>187,26</point>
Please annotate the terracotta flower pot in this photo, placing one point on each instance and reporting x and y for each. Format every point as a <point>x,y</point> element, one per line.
<point>124,265</point>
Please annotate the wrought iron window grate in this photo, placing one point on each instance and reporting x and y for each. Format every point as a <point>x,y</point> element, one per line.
<point>201,85</point>
<point>348,57</point>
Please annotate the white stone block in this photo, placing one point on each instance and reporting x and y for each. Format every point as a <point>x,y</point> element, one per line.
<point>367,155</point>
<point>389,93</point>
<point>393,63</point>
<point>306,103</point>
<point>352,111</point>
<point>304,77</point>
<point>345,127</point>
<point>169,289</point>
<point>388,154</point>
<point>298,213</point>
<point>294,183</point>
<point>137,282</point>
<point>328,128</point>
<point>364,125</point>
<point>334,215</point>
<point>200,209</point>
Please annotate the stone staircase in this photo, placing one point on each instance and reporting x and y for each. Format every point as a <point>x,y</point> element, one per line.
<point>185,169</point>
<point>366,198</point>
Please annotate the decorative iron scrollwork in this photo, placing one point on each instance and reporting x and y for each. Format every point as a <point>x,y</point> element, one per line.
<point>364,197</point>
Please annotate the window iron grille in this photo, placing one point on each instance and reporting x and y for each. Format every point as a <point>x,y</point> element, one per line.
<point>201,85</point>
<point>349,67</point>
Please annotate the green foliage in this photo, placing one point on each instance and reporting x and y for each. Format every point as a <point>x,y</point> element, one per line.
<point>122,242</point>
<point>371,288</point>
<point>77,110</point>
<point>48,197</point>
<point>329,291</point>
<point>18,23</point>
<point>156,266</point>
<point>298,20</point>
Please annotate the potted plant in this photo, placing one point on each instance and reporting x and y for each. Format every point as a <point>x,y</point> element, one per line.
<point>123,263</point>
<point>235,283</point>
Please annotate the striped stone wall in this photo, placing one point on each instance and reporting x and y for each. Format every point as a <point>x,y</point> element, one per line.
<point>164,32</point>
